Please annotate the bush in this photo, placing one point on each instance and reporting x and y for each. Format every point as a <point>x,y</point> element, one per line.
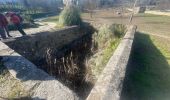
<point>118,29</point>
<point>70,16</point>
<point>106,44</point>
<point>108,33</point>
<point>104,36</point>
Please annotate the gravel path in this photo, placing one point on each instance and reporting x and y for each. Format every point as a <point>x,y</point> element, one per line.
<point>43,26</point>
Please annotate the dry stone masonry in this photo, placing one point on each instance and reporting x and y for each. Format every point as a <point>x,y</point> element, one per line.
<point>43,86</point>
<point>39,83</point>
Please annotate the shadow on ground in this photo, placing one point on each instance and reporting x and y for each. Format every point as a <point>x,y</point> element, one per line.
<point>148,72</point>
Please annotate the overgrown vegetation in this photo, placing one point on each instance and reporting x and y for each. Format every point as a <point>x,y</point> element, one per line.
<point>70,16</point>
<point>78,62</point>
<point>104,36</point>
<point>84,59</point>
<point>68,63</point>
<point>118,30</point>
<point>107,39</point>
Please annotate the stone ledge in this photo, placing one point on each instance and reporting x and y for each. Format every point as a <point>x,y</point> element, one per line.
<point>66,30</point>
<point>35,80</point>
<point>109,84</point>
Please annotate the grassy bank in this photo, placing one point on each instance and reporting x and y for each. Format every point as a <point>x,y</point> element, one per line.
<point>149,68</point>
<point>148,71</point>
<point>107,39</point>
<point>99,60</point>
<point>153,24</point>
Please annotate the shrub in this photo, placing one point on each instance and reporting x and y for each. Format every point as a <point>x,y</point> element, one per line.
<point>118,30</point>
<point>70,16</point>
<point>106,44</point>
<point>104,36</point>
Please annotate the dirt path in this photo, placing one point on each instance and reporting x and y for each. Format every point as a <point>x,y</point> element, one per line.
<point>43,26</point>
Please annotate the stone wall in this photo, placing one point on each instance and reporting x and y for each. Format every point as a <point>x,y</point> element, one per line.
<point>34,47</point>
<point>57,52</point>
<point>43,86</point>
<point>109,84</point>
<point>40,84</point>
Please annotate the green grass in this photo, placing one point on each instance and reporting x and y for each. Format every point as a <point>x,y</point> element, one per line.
<point>154,24</point>
<point>151,17</point>
<point>107,42</point>
<point>148,76</point>
<point>158,25</point>
<point>100,59</point>
<point>162,45</point>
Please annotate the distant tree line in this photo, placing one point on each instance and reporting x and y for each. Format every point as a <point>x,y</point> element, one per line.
<point>52,5</point>
<point>48,5</point>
